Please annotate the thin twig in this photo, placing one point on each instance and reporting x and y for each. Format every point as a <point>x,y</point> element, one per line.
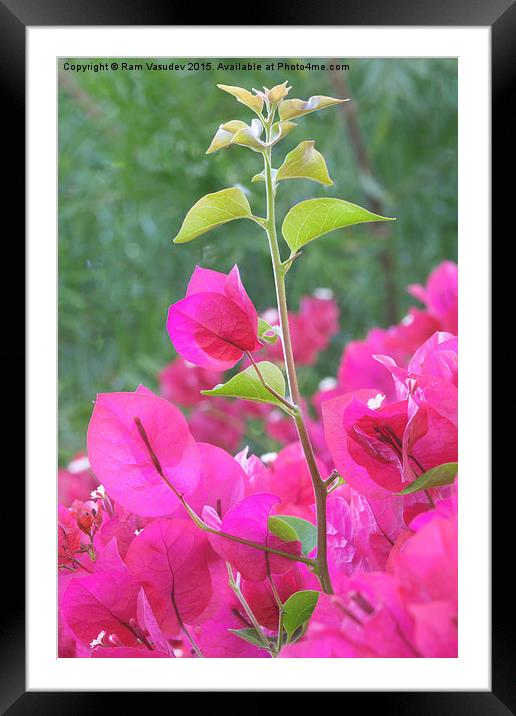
<point>238,593</point>
<point>195,517</point>
<point>290,406</point>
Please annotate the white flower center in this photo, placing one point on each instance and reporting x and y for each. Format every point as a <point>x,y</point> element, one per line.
<point>376,402</point>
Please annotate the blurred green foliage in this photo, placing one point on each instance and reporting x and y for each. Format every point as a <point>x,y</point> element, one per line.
<point>132,162</point>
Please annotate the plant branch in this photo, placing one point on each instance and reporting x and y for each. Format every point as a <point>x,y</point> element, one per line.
<point>198,521</point>
<point>287,404</point>
<point>279,270</point>
<point>238,594</point>
<point>184,629</point>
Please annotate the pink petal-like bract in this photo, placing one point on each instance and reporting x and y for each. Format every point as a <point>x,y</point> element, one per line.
<point>101,602</point>
<point>333,416</point>
<point>382,449</point>
<point>149,624</point>
<point>216,322</point>
<point>248,519</point>
<point>137,443</point>
<point>169,559</point>
<point>222,481</point>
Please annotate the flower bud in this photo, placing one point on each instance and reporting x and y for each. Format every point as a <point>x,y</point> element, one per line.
<point>278,93</point>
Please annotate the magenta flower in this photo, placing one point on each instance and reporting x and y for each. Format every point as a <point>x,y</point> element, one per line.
<point>358,368</point>
<point>149,626</point>
<point>257,476</point>
<point>123,526</point>
<point>139,446</point>
<point>222,481</point>
<point>102,603</point>
<point>341,550</point>
<point>372,540</point>
<point>215,640</point>
<point>248,519</point>
<point>364,618</point>
<point>381,450</point>
<point>216,323</point>
<point>431,377</point>
<point>169,559</point>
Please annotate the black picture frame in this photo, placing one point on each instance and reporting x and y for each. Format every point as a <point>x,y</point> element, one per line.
<point>500,15</point>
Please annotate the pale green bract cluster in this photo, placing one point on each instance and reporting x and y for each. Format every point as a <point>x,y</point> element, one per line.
<point>305,221</point>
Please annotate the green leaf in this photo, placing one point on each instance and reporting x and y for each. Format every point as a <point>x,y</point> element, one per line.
<point>435,477</point>
<point>247,385</point>
<point>250,635</point>
<point>306,531</point>
<point>291,108</point>
<point>298,609</point>
<point>305,162</point>
<point>224,135</point>
<point>245,97</point>
<point>267,333</point>
<point>282,529</point>
<point>211,211</point>
<point>261,176</point>
<point>310,219</point>
<point>278,93</point>
<point>249,136</point>
<point>298,634</point>
<point>280,130</point>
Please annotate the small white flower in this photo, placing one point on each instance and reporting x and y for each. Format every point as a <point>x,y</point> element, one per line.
<point>99,640</point>
<point>99,493</point>
<point>269,457</point>
<point>328,383</point>
<point>325,293</point>
<point>376,402</point>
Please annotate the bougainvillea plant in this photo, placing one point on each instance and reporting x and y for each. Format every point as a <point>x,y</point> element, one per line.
<point>342,545</point>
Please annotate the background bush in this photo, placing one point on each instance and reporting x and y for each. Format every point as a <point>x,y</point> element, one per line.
<point>132,162</point>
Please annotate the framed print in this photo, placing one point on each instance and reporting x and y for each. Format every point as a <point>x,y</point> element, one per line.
<point>253,254</point>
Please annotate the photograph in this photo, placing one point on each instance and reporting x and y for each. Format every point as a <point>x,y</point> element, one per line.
<point>257,320</point>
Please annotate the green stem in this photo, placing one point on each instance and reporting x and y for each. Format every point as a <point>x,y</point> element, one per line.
<point>279,641</point>
<point>279,603</point>
<point>238,594</point>
<point>320,490</point>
